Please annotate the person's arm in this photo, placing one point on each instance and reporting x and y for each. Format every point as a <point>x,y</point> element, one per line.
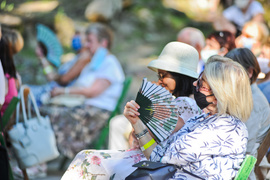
<point>97,88</point>
<point>146,142</point>
<point>83,60</point>
<point>180,123</point>
<point>48,70</point>
<point>259,18</point>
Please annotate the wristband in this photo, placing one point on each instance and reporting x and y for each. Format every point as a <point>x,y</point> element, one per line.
<point>140,135</point>
<point>48,69</point>
<point>147,145</point>
<point>44,61</point>
<point>66,90</point>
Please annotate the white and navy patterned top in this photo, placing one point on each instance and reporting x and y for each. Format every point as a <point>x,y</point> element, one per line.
<point>209,147</point>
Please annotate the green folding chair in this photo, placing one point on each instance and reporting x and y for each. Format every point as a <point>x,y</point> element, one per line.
<point>246,167</point>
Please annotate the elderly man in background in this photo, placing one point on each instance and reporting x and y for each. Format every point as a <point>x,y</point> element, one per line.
<point>195,38</point>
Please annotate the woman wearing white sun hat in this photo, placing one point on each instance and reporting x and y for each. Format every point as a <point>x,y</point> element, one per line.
<point>177,70</point>
<point>211,145</point>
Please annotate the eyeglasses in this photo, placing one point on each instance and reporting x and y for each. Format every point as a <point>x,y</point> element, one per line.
<point>200,84</point>
<point>161,76</point>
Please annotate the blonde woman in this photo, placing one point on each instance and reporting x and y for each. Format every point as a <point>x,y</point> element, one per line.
<point>212,145</point>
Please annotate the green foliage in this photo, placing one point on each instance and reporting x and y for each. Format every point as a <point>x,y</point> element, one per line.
<point>266,7</point>
<point>6,7</point>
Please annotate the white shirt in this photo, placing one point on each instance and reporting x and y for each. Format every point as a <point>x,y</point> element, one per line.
<point>111,70</point>
<point>235,15</point>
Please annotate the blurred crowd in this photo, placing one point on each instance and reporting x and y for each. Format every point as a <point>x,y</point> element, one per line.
<point>80,94</point>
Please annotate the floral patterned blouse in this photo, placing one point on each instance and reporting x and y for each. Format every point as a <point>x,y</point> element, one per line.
<point>187,108</point>
<point>209,147</point>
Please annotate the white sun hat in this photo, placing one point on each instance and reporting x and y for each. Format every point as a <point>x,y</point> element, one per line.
<point>177,57</point>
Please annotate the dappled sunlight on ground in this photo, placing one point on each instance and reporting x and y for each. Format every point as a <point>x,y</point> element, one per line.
<point>10,19</point>
<point>38,6</point>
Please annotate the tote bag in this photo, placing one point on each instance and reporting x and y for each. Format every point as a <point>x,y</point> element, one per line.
<point>33,139</point>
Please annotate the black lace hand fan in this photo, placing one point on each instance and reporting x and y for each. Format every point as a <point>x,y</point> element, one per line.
<point>158,110</point>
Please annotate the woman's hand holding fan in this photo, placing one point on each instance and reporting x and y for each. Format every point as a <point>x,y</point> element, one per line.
<point>158,110</point>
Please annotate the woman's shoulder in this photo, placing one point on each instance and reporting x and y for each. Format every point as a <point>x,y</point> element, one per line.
<point>228,120</point>
<point>111,61</point>
<point>230,124</point>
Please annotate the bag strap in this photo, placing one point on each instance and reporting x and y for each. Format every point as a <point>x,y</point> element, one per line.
<point>31,100</point>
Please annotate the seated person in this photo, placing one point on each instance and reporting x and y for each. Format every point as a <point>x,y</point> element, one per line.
<point>101,83</point>
<point>254,35</point>
<point>195,38</point>
<point>217,43</point>
<point>177,81</point>
<point>211,145</point>
<point>10,44</point>
<point>264,61</point>
<point>235,16</point>
<point>67,72</point>
<point>259,121</point>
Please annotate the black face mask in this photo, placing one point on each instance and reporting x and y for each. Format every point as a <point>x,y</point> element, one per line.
<point>200,98</point>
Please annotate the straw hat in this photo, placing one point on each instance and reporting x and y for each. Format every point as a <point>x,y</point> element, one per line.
<point>177,57</point>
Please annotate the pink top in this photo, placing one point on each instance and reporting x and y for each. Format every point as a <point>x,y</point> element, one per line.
<point>12,91</point>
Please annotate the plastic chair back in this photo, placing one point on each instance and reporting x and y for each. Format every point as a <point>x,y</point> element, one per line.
<point>246,168</point>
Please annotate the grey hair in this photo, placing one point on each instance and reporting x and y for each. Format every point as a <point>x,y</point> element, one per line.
<point>101,31</point>
<point>195,36</point>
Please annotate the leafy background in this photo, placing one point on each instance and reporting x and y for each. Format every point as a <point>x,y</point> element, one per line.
<point>142,28</point>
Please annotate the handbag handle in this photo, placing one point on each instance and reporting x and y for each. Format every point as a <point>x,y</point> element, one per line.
<point>32,98</point>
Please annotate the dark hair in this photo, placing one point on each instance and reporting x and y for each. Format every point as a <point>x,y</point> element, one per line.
<point>224,38</point>
<point>6,56</point>
<point>247,59</point>
<point>184,84</point>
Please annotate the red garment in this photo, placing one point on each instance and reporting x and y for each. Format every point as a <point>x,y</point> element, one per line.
<point>12,91</point>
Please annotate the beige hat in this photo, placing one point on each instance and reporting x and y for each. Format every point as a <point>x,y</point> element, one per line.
<point>177,57</point>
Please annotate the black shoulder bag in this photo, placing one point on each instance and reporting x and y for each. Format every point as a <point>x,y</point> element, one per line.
<point>148,170</point>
